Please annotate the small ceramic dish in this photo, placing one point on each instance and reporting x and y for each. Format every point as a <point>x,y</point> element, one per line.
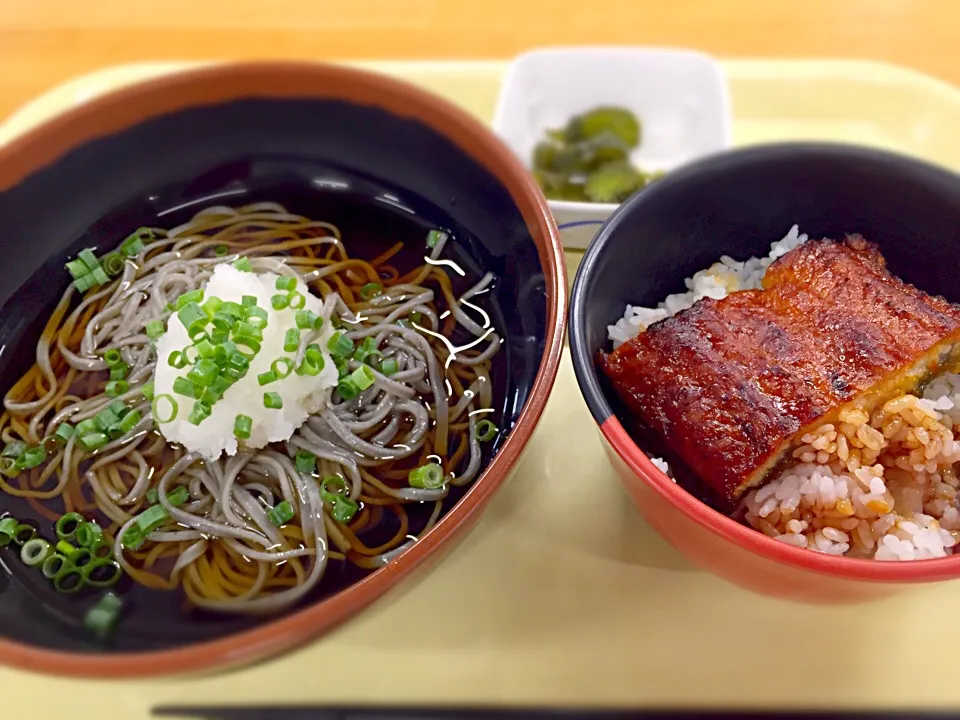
<point>680,97</point>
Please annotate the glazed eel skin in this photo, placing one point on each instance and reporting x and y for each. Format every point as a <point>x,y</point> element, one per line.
<point>731,385</point>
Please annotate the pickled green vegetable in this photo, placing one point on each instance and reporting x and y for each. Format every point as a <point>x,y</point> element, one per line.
<point>613,183</point>
<point>617,120</point>
<point>589,159</point>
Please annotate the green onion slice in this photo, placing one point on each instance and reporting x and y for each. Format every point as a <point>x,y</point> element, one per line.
<point>155,329</point>
<point>291,340</point>
<point>102,573</point>
<point>279,302</point>
<point>31,458</point>
<point>8,528</point>
<point>93,441</point>
<point>164,408</point>
<point>53,564</point>
<point>66,549</point>
<point>89,534</point>
<point>243,264</point>
<point>265,378</point>
<point>147,390</point>
<point>286,283</point>
<point>371,290</point>
<point>308,320</point>
<point>485,431</point>
<point>242,426</point>
<point>340,345</point>
<point>221,250</point>
<point>281,513</point>
<point>344,509</point>
<point>112,357</point>
<point>116,387</point>
<point>272,400</point>
<point>305,462</point>
<point>331,487</point>
<point>281,368</point>
<point>35,551</point>
<point>428,477</point>
<point>68,524</point>
<point>348,389</point>
<point>296,300</point>
<point>68,580</point>
<point>193,296</point>
<point>389,366</point>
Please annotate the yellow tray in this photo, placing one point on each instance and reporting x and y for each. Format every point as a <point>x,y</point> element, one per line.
<point>562,595</point>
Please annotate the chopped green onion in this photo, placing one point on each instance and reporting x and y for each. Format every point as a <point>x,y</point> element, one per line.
<point>84,283</point>
<point>100,276</point>
<point>155,329</point>
<point>281,513</point>
<point>102,618</point>
<point>152,497</point>
<point>305,462</point>
<point>429,477</point>
<point>118,408</point>
<point>8,467</point>
<point>203,372</point>
<point>8,528</point>
<point>68,580</point>
<point>112,263</point>
<point>222,352</point>
<point>119,371</point>
<point>363,377</point>
<point>116,387</point>
<point>257,317</point>
<point>14,449</point>
<point>367,349</point>
<point>328,495</point>
<point>182,386</point>
<point>281,368</point>
<point>435,236</point>
<point>68,524</point>
<point>133,245</point>
<point>340,345</point>
<point>344,509</point>
<point>130,421</point>
<point>296,300</point>
<point>239,363</point>
<point>53,564</point>
<point>85,427</point>
<point>193,318</point>
<point>348,389</point>
<point>233,309</point>
<point>77,269</point>
<point>279,302</point>
<point>179,496</point>
<point>89,259</point>
<point>194,296</point>
<point>245,329</point>
<point>199,412</point>
<point>177,360</point>
<point>308,320</point>
<point>243,264</point>
<point>242,425</point>
<point>105,418</point>
<point>132,539</point>
<point>211,305</point>
<point>272,400</point>
<point>286,283</point>
<point>151,519</point>
<point>112,357</point>
<point>265,378</point>
<point>35,551</point>
<point>221,250</point>
<point>93,441</point>
<point>248,300</point>
<point>371,290</point>
<point>205,349</point>
<point>389,366</point>
<point>147,390</point>
<point>102,573</point>
<point>64,432</point>
<point>485,431</point>
<point>312,363</point>
<point>171,408</point>
<point>89,534</point>
<point>342,368</point>
<point>291,341</point>
<point>31,458</point>
<point>66,549</point>
<point>24,534</point>
<point>247,346</point>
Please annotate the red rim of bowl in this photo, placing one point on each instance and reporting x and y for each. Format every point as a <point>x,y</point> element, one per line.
<point>213,84</point>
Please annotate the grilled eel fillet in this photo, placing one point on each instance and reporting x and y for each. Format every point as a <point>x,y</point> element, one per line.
<point>731,385</point>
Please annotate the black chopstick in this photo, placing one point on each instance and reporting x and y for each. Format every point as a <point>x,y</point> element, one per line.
<point>320,712</point>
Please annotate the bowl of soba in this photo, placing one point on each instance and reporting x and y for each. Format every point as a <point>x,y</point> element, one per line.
<point>769,343</point>
<point>272,335</point>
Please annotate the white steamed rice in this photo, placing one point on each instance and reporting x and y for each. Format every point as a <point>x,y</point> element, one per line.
<point>880,486</point>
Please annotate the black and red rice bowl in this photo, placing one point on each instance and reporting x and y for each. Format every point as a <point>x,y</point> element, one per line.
<point>735,206</point>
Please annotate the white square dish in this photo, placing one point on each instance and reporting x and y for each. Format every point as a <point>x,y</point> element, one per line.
<point>679,96</point>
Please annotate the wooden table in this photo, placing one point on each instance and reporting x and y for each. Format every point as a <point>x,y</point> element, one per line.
<point>44,42</point>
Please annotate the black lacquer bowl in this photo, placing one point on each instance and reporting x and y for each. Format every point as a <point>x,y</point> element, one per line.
<point>353,148</point>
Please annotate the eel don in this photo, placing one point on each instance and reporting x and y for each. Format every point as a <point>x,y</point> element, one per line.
<point>731,385</point>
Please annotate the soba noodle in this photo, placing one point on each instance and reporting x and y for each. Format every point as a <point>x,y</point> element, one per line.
<point>220,545</point>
